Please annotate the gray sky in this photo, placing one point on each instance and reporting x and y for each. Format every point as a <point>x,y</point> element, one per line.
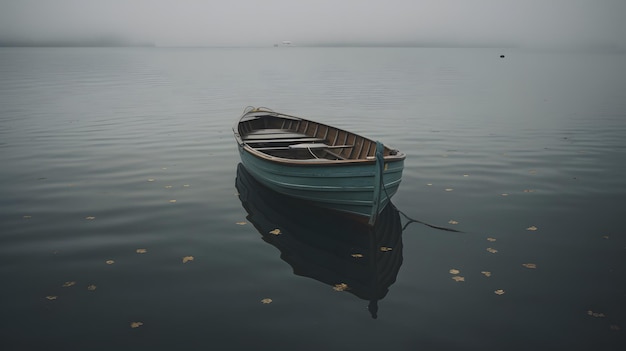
<point>550,23</point>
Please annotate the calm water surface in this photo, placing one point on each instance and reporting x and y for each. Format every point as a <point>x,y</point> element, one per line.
<point>107,151</point>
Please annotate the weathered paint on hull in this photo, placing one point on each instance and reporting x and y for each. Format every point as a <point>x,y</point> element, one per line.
<point>343,187</point>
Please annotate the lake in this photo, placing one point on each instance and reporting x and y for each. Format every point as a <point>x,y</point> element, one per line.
<point>126,223</point>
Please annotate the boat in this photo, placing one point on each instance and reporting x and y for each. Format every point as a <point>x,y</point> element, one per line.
<point>321,244</point>
<point>312,161</point>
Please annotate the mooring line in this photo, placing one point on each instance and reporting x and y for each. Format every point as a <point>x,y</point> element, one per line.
<point>411,220</point>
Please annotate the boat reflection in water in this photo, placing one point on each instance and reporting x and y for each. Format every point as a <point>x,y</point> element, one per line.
<point>324,245</point>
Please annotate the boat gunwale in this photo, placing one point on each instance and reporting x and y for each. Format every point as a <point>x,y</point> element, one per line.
<point>400,156</point>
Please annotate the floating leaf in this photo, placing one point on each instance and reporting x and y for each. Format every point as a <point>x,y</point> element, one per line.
<point>168,187</point>
<point>492,250</point>
<point>491,239</point>
<point>275,231</point>
<point>532,228</point>
<point>486,273</point>
<point>109,261</point>
<point>187,259</point>
<point>457,278</point>
<point>186,185</point>
<point>605,237</point>
<point>27,217</point>
<point>241,223</point>
<point>266,301</point>
<point>90,218</point>
<point>151,179</point>
<point>504,194</point>
<point>430,184</point>
<point>341,287</point>
<point>68,284</point>
<point>141,251</point>
<point>136,324</point>
<point>172,201</point>
<point>529,190</point>
<point>91,287</point>
<point>357,255</point>
<point>449,189</point>
<point>465,175</point>
<point>452,221</point>
<point>51,297</point>
<point>499,292</point>
<point>596,314</point>
<point>529,265</point>
<point>385,248</point>
<point>532,171</point>
<point>454,271</point>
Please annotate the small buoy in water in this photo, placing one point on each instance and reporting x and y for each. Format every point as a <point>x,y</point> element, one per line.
<point>501,56</point>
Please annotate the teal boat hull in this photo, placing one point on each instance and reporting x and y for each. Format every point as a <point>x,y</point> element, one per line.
<point>345,188</point>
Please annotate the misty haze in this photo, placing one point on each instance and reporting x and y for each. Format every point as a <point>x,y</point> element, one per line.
<point>146,205</point>
<point>559,24</point>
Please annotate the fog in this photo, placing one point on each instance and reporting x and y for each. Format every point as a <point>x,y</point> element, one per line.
<point>526,23</point>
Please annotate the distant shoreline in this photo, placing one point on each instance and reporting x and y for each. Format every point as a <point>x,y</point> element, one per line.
<point>71,44</point>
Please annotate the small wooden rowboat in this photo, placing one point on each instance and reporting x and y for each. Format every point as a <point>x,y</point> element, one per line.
<point>327,166</point>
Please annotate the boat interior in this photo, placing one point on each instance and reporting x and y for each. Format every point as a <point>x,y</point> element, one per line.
<point>294,138</point>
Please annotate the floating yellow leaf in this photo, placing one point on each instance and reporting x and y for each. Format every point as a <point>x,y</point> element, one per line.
<point>151,179</point>
<point>136,324</point>
<point>457,278</point>
<point>241,223</point>
<point>596,314</point>
<point>187,259</point>
<point>141,251</point>
<point>486,273</point>
<point>504,194</point>
<point>68,284</point>
<point>492,250</point>
<point>532,228</point>
<point>90,218</point>
<point>357,255</point>
<point>449,189</point>
<point>51,297</point>
<point>275,231</point>
<point>491,239</point>
<point>385,248</point>
<point>172,201</point>
<point>341,287</point>
<point>499,292</point>
<point>454,271</point>
<point>91,287</point>
<point>452,221</point>
<point>529,265</point>
<point>266,301</point>
<point>465,175</point>
<point>430,184</point>
<point>109,261</point>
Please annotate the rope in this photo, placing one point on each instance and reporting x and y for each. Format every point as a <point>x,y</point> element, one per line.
<point>411,220</point>
<point>312,153</point>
